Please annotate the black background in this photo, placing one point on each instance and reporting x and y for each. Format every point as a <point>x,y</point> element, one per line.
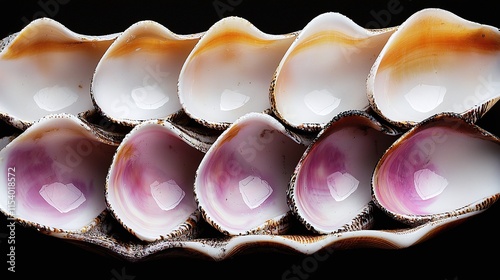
<point>469,251</point>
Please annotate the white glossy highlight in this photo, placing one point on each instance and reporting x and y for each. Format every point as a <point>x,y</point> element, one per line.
<point>55,98</point>
<point>321,102</point>
<point>232,100</point>
<point>254,191</point>
<point>341,185</point>
<point>149,97</point>
<point>63,197</point>
<point>167,194</point>
<point>425,98</point>
<point>428,184</point>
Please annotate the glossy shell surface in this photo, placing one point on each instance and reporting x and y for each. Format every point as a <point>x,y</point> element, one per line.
<point>241,152</point>
<point>150,181</point>
<point>444,166</point>
<point>57,170</point>
<point>148,90</point>
<point>240,184</point>
<point>229,72</point>
<point>436,62</point>
<point>47,69</point>
<point>324,71</point>
<point>330,190</point>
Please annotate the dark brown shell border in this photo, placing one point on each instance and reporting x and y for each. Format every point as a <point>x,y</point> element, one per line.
<point>109,238</point>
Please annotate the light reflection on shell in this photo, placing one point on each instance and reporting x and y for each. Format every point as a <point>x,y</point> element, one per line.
<point>330,190</point>
<point>229,71</point>
<point>444,166</point>
<point>324,71</point>
<point>241,182</point>
<point>46,69</point>
<point>436,62</point>
<point>148,90</point>
<point>149,184</point>
<point>56,169</point>
<point>265,169</point>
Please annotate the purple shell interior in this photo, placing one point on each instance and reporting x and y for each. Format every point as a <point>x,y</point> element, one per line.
<point>151,180</point>
<point>333,182</point>
<point>437,169</point>
<point>59,177</point>
<point>242,182</point>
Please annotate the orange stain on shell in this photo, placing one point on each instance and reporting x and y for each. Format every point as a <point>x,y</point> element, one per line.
<point>328,37</point>
<point>154,44</point>
<point>233,36</point>
<point>432,37</point>
<point>231,133</point>
<point>126,153</point>
<point>33,42</point>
